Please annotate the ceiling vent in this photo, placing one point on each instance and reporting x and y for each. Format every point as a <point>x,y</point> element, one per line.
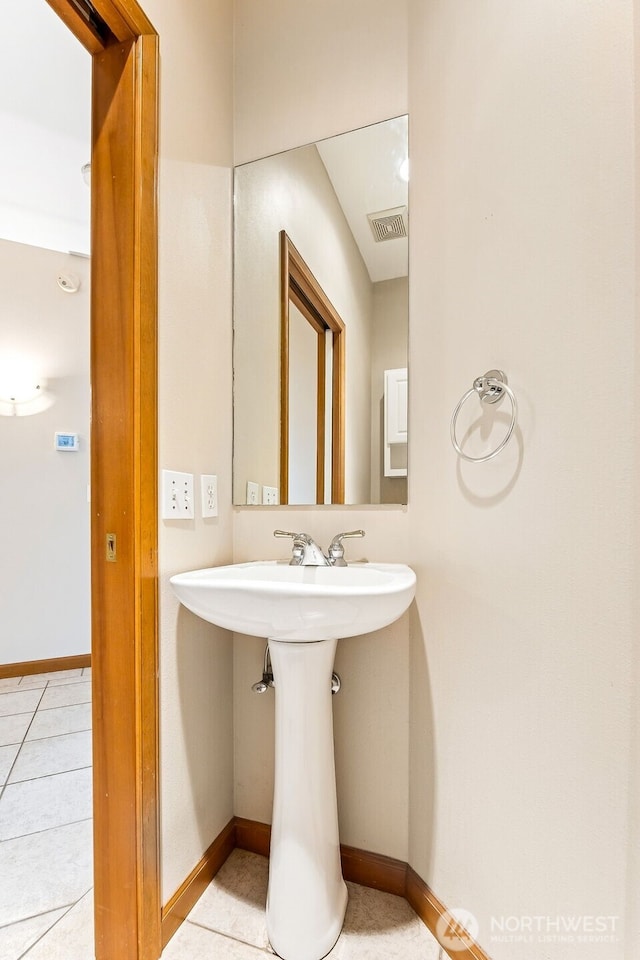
<point>388,224</point>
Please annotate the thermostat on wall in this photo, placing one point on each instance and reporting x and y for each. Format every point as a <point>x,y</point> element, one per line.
<point>67,441</point>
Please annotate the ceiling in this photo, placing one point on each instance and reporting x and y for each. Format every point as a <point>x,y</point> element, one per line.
<point>364,169</point>
<point>45,131</point>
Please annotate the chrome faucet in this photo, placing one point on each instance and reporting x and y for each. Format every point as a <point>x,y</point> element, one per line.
<point>307,553</point>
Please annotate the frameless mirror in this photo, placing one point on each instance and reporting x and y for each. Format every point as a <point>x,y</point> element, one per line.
<point>321,321</point>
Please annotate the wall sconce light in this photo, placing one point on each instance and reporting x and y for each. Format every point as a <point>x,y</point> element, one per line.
<point>22,394</point>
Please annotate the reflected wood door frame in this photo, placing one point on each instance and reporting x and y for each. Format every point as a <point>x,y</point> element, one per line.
<point>299,285</point>
<point>124,49</point>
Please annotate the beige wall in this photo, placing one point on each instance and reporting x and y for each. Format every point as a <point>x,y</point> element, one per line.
<point>195,416</point>
<point>522,637</point>
<point>292,192</point>
<point>304,71</point>
<point>44,513</point>
<point>632,924</point>
<point>389,346</point>
<point>522,641</point>
<point>505,780</point>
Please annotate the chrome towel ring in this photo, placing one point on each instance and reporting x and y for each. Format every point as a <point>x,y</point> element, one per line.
<point>490,388</point>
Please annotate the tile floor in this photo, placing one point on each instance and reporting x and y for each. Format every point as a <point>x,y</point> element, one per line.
<point>228,922</point>
<point>46,903</point>
<point>46,831</point>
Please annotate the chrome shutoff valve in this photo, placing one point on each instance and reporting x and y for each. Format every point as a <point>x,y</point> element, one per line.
<point>267,674</point>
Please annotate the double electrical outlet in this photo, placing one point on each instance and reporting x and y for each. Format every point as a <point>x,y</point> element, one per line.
<point>178,495</point>
<point>269,494</point>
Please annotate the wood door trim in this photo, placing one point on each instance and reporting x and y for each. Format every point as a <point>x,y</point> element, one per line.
<point>124,501</point>
<point>284,368</point>
<point>125,18</point>
<point>321,373</point>
<point>99,23</point>
<point>124,477</point>
<point>30,667</point>
<point>91,37</point>
<point>338,421</point>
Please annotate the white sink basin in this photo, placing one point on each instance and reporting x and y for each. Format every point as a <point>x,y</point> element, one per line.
<point>269,598</point>
<point>303,611</point>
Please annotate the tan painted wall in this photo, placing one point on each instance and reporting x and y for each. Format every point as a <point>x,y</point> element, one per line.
<point>632,919</point>
<point>522,640</point>
<point>519,737</point>
<point>195,416</point>
<point>304,71</point>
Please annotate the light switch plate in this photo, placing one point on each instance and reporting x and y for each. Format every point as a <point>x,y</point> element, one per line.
<point>177,495</point>
<point>209,494</point>
<point>253,493</point>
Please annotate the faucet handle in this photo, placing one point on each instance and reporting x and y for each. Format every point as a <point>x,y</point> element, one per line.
<point>336,547</point>
<point>299,541</point>
<point>296,537</point>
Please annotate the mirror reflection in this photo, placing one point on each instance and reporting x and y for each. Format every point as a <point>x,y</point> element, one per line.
<point>321,321</point>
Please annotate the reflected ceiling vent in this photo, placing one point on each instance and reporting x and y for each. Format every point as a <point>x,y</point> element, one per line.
<point>388,224</point>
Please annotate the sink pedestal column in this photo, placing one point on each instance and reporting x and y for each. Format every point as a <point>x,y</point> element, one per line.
<point>307,896</point>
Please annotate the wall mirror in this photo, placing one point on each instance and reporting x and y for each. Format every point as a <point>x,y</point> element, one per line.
<point>321,321</point>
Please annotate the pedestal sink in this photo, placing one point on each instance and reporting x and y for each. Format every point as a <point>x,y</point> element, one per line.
<point>302,611</point>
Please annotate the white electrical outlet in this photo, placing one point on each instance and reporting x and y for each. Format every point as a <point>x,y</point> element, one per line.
<point>270,495</point>
<point>253,493</point>
<point>177,495</point>
<point>209,491</point>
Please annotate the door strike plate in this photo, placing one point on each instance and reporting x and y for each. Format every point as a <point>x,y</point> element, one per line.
<point>111,547</point>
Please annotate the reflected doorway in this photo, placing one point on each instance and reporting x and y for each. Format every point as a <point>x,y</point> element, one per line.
<point>312,386</point>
